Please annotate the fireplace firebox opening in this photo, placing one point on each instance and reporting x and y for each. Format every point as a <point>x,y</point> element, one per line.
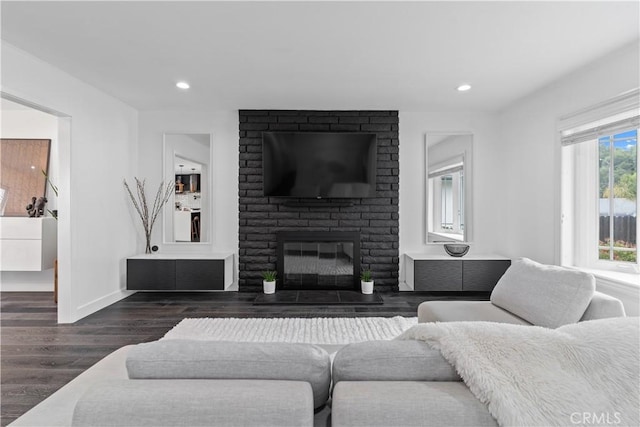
<point>318,260</point>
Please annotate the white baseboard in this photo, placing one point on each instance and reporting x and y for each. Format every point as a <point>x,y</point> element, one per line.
<point>100,303</point>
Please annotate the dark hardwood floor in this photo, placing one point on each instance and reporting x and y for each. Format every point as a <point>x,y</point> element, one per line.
<point>38,356</point>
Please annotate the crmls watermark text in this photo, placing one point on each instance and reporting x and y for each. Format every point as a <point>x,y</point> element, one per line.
<point>602,418</point>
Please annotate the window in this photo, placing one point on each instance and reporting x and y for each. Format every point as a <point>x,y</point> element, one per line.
<point>618,183</point>
<point>599,186</point>
<point>447,188</point>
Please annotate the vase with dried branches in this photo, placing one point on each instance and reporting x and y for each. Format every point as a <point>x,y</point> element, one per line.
<point>149,216</point>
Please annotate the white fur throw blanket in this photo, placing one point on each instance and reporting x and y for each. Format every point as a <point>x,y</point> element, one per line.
<point>581,374</point>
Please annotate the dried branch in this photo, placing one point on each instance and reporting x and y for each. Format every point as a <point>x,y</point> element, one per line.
<point>53,187</point>
<point>141,206</point>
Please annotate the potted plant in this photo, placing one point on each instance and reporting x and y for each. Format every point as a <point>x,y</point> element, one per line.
<point>366,282</point>
<point>269,281</point>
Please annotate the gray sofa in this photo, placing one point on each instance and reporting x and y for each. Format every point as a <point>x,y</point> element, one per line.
<point>200,383</point>
<point>530,293</point>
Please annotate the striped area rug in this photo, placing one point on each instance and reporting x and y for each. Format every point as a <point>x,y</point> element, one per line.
<point>315,330</point>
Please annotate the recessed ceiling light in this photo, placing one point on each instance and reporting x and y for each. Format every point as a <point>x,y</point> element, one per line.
<point>463,88</point>
<point>182,85</point>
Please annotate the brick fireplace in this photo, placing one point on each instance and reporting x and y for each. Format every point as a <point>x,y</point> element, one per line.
<point>262,218</point>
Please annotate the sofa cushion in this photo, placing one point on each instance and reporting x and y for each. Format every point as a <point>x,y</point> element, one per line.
<point>195,403</point>
<point>457,311</point>
<point>407,404</point>
<point>233,360</point>
<point>391,361</point>
<point>603,306</point>
<point>544,295</point>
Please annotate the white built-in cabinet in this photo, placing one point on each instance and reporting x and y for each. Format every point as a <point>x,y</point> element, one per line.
<point>28,244</point>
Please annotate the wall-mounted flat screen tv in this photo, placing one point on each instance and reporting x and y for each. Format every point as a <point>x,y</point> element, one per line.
<point>319,165</point>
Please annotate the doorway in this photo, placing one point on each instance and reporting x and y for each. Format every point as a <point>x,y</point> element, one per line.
<point>23,120</point>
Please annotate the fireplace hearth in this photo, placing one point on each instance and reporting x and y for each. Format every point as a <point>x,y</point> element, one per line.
<point>318,260</point>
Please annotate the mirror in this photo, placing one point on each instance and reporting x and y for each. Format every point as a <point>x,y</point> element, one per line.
<point>188,215</point>
<point>22,166</point>
<point>449,191</point>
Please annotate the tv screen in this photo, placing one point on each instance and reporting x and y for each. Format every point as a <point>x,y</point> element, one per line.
<point>319,165</point>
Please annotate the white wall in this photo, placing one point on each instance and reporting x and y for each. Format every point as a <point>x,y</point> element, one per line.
<point>531,173</point>
<point>95,231</point>
<point>223,126</point>
<point>32,124</point>
<point>488,199</point>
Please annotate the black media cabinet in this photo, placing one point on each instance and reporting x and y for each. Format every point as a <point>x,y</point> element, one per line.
<point>180,272</point>
<point>431,273</point>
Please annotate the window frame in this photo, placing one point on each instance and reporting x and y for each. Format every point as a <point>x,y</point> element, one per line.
<point>579,164</point>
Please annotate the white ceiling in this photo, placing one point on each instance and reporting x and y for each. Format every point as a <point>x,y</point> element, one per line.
<point>320,55</point>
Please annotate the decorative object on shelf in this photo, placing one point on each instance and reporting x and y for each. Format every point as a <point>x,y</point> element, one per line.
<point>35,209</point>
<point>366,282</point>
<point>31,207</point>
<point>269,281</point>
<point>456,249</point>
<point>148,217</point>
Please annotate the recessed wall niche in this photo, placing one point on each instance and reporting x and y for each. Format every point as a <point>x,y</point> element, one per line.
<point>260,218</point>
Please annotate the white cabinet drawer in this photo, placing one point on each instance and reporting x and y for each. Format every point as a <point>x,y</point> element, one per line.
<point>28,244</point>
<point>21,255</point>
<point>21,227</point>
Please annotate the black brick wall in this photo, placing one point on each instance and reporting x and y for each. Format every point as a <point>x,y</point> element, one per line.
<point>261,217</point>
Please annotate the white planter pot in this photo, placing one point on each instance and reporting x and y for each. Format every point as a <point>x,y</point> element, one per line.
<point>269,287</point>
<point>367,287</point>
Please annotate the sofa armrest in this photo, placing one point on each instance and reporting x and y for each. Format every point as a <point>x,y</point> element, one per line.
<point>196,403</point>
<point>391,361</point>
<point>603,306</point>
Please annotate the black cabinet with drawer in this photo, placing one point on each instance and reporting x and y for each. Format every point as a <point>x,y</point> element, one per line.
<point>482,275</point>
<point>148,274</point>
<point>157,275</point>
<point>455,275</point>
<point>437,275</point>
